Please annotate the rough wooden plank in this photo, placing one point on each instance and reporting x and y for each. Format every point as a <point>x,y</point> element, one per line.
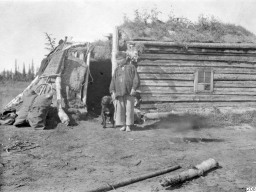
<point>191,76</point>
<point>160,69</point>
<point>190,90</point>
<point>251,46</point>
<point>182,69</point>
<point>246,77</point>
<point>189,105</point>
<point>170,63</point>
<point>196,105</point>
<point>193,97</point>
<point>168,83</point>
<point>198,57</point>
<point>151,49</point>
<point>157,89</point>
<point>232,84</point>
<point>181,77</point>
<point>235,90</point>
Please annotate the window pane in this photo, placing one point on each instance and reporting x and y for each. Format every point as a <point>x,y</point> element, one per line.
<point>200,76</point>
<point>207,77</point>
<point>207,87</point>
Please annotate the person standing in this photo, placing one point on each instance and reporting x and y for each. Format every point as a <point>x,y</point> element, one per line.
<point>123,86</point>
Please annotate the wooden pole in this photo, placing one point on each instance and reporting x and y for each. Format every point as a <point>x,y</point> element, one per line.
<point>114,48</point>
<point>133,180</point>
<point>198,170</point>
<point>86,78</point>
<point>61,113</point>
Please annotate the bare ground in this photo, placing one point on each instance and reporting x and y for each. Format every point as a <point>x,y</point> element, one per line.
<point>87,156</point>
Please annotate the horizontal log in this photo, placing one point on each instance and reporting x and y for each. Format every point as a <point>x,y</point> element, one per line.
<point>193,97</point>
<point>244,52</point>
<point>187,105</point>
<point>235,90</point>
<point>177,63</point>
<point>160,69</point>
<point>182,69</point>
<point>233,84</point>
<point>168,83</point>
<point>251,46</point>
<point>198,57</point>
<point>246,77</point>
<point>181,77</point>
<point>154,89</point>
<point>190,90</point>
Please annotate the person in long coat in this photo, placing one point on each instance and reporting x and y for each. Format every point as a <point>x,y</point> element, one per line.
<point>123,86</point>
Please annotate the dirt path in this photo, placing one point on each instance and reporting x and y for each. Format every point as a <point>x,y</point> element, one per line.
<point>86,156</point>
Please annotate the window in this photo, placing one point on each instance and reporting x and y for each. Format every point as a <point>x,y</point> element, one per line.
<point>203,81</point>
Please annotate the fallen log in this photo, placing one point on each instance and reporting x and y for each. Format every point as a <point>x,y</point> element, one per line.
<point>133,180</point>
<point>198,170</point>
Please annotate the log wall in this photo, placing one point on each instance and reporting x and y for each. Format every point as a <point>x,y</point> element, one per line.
<point>167,72</point>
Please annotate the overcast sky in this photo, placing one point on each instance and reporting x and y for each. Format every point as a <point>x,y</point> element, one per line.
<point>23,23</point>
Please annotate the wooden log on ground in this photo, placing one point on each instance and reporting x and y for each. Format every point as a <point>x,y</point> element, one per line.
<point>198,170</point>
<point>61,113</point>
<point>158,115</point>
<point>133,180</point>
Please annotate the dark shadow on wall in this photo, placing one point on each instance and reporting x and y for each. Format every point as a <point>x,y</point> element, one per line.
<point>98,84</point>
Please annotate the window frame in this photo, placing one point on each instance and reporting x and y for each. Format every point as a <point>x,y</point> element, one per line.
<point>196,81</point>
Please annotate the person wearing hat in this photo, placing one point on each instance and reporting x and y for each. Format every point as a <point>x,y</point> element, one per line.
<point>123,87</point>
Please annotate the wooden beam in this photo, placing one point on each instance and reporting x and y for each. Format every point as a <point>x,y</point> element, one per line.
<point>242,52</point>
<point>238,77</point>
<point>177,63</point>
<point>84,99</point>
<point>168,83</point>
<point>187,105</point>
<point>193,97</point>
<point>188,57</point>
<point>154,89</point>
<point>185,69</point>
<point>246,77</point>
<point>114,49</point>
<point>190,90</point>
<point>233,84</point>
<point>181,77</point>
<point>251,46</point>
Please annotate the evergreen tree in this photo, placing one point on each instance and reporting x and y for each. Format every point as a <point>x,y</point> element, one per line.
<point>32,70</point>
<point>24,73</point>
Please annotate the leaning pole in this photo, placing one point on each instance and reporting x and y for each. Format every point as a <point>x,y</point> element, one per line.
<point>114,49</point>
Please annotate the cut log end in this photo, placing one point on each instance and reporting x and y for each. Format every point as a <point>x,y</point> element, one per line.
<point>198,170</point>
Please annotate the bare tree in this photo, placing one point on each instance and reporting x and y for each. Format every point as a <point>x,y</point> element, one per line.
<point>50,45</point>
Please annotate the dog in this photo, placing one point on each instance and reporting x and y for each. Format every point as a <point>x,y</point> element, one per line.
<point>139,117</point>
<point>107,110</point>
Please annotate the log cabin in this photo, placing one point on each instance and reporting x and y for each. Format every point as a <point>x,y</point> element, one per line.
<point>177,77</point>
